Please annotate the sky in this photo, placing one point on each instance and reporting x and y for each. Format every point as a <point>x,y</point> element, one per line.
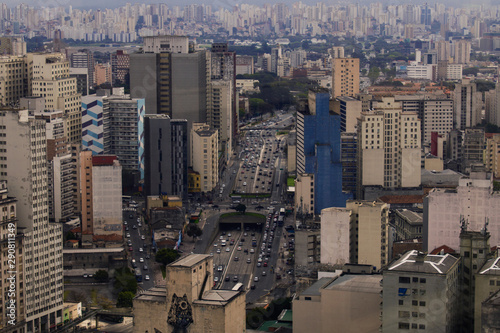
<point>88,4</point>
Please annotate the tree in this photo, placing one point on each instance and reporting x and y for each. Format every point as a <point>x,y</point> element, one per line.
<point>373,74</point>
<point>125,299</point>
<point>70,235</point>
<point>193,231</point>
<point>101,276</point>
<point>125,280</point>
<point>241,208</point>
<point>166,256</point>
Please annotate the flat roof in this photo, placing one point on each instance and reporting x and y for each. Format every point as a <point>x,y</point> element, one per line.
<point>431,263</point>
<point>94,250</point>
<point>411,216</point>
<point>357,283</point>
<point>155,294</point>
<point>190,260</point>
<point>313,290</point>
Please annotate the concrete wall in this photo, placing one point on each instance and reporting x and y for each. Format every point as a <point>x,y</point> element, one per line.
<point>107,199</point>
<point>335,236</point>
<point>150,315</point>
<point>144,80</point>
<point>373,166</point>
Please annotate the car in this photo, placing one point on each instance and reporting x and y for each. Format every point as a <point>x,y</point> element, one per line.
<point>228,249</point>
<point>219,268</point>
<point>239,248</point>
<point>145,267</point>
<point>218,250</point>
<point>249,261</point>
<point>221,237</point>
<point>252,251</point>
<point>143,237</point>
<point>125,223</point>
<point>139,224</point>
<point>126,228</point>
<point>265,264</point>
<point>215,245</point>
<point>263,273</point>
<point>256,279</point>
<point>130,248</point>
<point>134,227</point>
<point>229,235</point>
<point>147,257</point>
<point>85,275</point>
<point>278,276</point>
<point>134,265</point>
<point>141,259</point>
<point>227,278</point>
<point>216,279</point>
<point>146,277</point>
<point>128,235</point>
<point>236,258</point>
<point>259,264</point>
<point>131,216</point>
<point>235,278</point>
<point>90,275</point>
<point>252,286</point>
<point>141,250</point>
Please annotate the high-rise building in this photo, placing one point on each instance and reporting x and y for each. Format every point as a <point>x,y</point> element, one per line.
<point>462,50</point>
<point>348,157</point>
<point>443,50</point>
<point>24,167</point>
<point>82,79</point>
<point>51,80</point>
<point>166,44</point>
<point>220,114</point>
<point>205,155</point>
<point>120,66</point>
<point>14,78</point>
<point>336,52</point>
<point>345,77</point>
<point>165,156</point>
<point>318,150</point>
<point>335,242</point>
<point>13,45</point>
<point>349,110</point>
<point>421,292</point>
<point>388,147</point>
<point>467,103</point>
<point>473,145</point>
<point>12,282</point>
<point>492,154</point>
<point>102,73</point>
<point>473,200</point>
<point>84,59</point>
<point>93,109</point>
<point>244,65</point>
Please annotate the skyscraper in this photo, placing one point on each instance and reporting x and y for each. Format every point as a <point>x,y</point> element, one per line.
<point>84,59</point>
<point>467,103</point>
<point>165,156</point>
<point>24,167</point>
<point>318,150</point>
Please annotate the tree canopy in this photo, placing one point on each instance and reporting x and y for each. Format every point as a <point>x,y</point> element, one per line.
<point>166,256</point>
<point>193,230</point>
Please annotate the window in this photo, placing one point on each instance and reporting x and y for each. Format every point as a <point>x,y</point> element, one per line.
<point>404,314</point>
<point>422,303</point>
<point>421,327</point>
<point>413,325</point>
<point>423,280</point>
<point>414,303</point>
<point>415,279</point>
<point>403,279</point>
<point>404,326</point>
<point>401,302</point>
<point>308,298</point>
<point>414,314</point>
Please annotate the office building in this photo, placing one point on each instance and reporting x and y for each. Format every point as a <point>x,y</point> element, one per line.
<point>120,66</point>
<point>421,292</point>
<point>84,59</point>
<point>473,145</point>
<point>435,112</point>
<point>318,150</point>
<point>388,148</point>
<point>12,285</point>
<point>51,80</point>
<point>349,109</point>
<point>467,103</point>
<point>220,114</point>
<point>189,302</point>
<point>492,105</point>
<point>24,168</point>
<point>166,44</point>
<point>408,224</point>
<point>304,195</point>
<point>165,156</point>
<point>14,79</point>
<point>335,302</point>
<point>348,157</point>
<point>345,77</point>
<point>420,71</point>
<point>369,233</point>
<point>93,108</point>
<point>205,155</point>
<point>82,79</point>
<point>473,200</point>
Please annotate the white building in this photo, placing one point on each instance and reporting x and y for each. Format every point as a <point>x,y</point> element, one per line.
<point>247,86</point>
<point>421,292</point>
<point>419,71</point>
<point>166,44</point>
<point>474,200</point>
<point>467,103</point>
<point>454,71</point>
<point>24,166</point>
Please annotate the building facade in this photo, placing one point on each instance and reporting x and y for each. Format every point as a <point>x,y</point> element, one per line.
<point>467,102</point>
<point>14,79</point>
<point>205,155</point>
<point>345,77</point>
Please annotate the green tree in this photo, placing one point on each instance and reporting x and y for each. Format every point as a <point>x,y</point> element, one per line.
<point>125,280</point>
<point>101,276</point>
<point>373,74</point>
<point>193,231</point>
<point>125,299</point>
<point>166,256</point>
<point>241,208</point>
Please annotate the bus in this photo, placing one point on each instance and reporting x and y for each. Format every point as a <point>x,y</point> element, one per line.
<point>236,198</point>
<point>238,286</point>
<point>126,198</point>
<point>280,220</point>
<point>282,211</point>
<point>138,275</point>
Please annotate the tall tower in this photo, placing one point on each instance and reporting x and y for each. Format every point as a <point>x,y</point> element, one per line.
<point>24,167</point>
<point>345,77</point>
<point>467,105</point>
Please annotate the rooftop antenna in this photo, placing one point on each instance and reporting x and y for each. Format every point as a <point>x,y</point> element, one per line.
<point>484,230</point>
<point>463,223</point>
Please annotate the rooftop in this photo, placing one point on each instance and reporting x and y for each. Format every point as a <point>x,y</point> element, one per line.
<point>413,261</point>
<point>357,283</point>
<point>190,260</point>
<point>491,267</point>
<point>314,289</point>
<point>155,294</point>
<point>411,216</point>
<point>440,178</point>
<point>94,250</point>
<point>217,297</point>
<point>402,199</point>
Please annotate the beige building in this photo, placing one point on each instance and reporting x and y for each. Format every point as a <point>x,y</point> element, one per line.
<point>487,282</point>
<point>14,78</point>
<point>369,233</point>
<point>12,285</point>
<point>492,154</point>
<point>102,73</point>
<point>345,77</point>
<point>335,235</point>
<point>349,303</point>
<point>462,50</point>
<point>421,292</point>
<point>304,193</point>
<point>51,80</point>
<point>219,114</point>
<point>86,201</point>
<point>189,302</point>
<point>23,157</point>
<point>247,86</point>
<point>349,109</point>
<point>389,147</point>
<point>205,155</point>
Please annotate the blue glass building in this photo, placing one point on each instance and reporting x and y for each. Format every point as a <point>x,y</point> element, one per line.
<point>318,150</point>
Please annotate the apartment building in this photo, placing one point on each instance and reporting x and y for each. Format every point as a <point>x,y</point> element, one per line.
<point>408,224</point>
<point>84,59</point>
<point>220,114</point>
<point>93,109</point>
<point>345,77</point>
<point>349,109</point>
<point>388,147</point>
<point>205,155</point>
<point>11,260</point>
<point>51,80</point>
<point>102,73</point>
<point>492,154</point>
<point>421,292</point>
<point>120,66</point>
<point>14,77</point>
<point>467,104</point>
<point>462,49</point>
<point>24,167</point>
